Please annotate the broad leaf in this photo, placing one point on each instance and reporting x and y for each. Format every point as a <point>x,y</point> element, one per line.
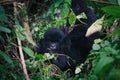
<point>28,51</point>
<point>6,57</point>
<point>112,10</point>
<point>72,18</point>
<point>96,47</point>
<point>39,56</point>
<point>4,29</point>
<point>95,27</point>
<point>20,36</point>
<point>96,41</point>
<point>67,1</point>
<point>103,65</point>
<point>57,3</point>
<point>65,11</point>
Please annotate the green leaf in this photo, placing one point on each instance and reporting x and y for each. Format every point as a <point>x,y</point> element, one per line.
<point>114,74</point>
<point>19,27</point>
<point>96,41</point>
<point>92,77</point>
<point>28,39</point>
<point>21,36</point>
<point>96,47</point>
<point>112,10</point>
<point>57,3</point>
<point>2,15</point>
<point>82,15</point>
<point>60,22</point>
<point>3,18</point>
<point>38,56</point>
<point>4,29</point>
<point>67,1</point>
<point>108,49</point>
<point>103,65</point>
<point>118,2</point>
<point>72,18</point>
<point>107,43</point>
<point>28,51</point>
<point>52,8</point>
<point>2,10</point>
<point>6,57</point>
<point>64,11</point>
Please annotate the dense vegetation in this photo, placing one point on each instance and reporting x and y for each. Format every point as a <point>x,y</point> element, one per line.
<point>22,24</point>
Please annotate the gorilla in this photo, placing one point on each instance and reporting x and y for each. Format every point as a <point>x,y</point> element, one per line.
<point>55,41</point>
<point>74,44</point>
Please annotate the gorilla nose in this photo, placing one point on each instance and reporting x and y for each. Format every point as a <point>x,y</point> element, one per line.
<point>53,46</point>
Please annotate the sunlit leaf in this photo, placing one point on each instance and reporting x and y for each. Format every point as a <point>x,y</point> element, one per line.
<point>96,47</point>
<point>38,56</point>
<point>72,18</point>
<point>65,11</point>
<point>95,27</point>
<point>28,51</point>
<point>82,15</point>
<point>60,22</point>
<point>77,70</point>
<point>96,41</point>
<point>49,56</point>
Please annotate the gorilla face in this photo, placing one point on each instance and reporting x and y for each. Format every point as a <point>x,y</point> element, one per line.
<point>53,37</point>
<point>54,40</point>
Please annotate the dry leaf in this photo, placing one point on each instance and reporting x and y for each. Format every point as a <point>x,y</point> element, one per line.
<point>95,27</point>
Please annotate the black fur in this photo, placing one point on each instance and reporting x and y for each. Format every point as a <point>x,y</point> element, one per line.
<point>74,44</point>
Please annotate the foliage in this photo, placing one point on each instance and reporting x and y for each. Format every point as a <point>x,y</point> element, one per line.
<point>55,16</point>
<point>106,53</point>
<point>102,64</point>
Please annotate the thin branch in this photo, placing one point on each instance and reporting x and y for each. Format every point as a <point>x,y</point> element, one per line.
<point>22,59</point>
<point>20,48</point>
<point>104,2</point>
<point>4,2</point>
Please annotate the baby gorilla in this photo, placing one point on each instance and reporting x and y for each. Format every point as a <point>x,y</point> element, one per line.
<point>56,42</point>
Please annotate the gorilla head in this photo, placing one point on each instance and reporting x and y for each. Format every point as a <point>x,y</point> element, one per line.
<point>54,37</point>
<point>54,40</point>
